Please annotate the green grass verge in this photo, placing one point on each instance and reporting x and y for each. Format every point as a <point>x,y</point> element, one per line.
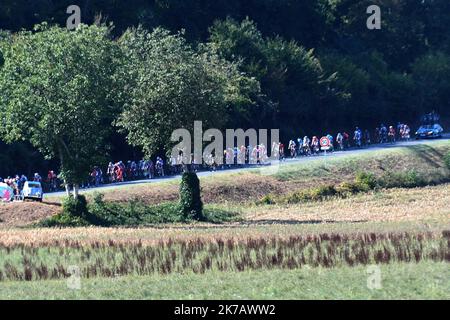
<point>426,159</point>
<point>364,182</point>
<point>425,280</point>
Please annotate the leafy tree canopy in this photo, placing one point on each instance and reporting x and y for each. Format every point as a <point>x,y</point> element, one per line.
<point>57,92</point>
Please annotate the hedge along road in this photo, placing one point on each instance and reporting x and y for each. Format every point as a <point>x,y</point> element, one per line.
<point>268,166</point>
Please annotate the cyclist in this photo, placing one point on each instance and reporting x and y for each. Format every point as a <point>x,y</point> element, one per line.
<point>346,140</point>
<point>305,146</point>
<point>383,134</point>
<point>281,151</point>
<point>315,145</point>
<point>340,141</point>
<point>292,148</point>
<point>160,166</point>
<point>37,177</point>
<point>391,134</point>
<point>330,137</point>
<point>406,134</point>
<point>357,137</point>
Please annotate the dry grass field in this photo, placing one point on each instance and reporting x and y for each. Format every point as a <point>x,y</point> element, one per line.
<point>385,205</point>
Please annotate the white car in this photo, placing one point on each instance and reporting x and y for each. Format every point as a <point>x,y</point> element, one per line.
<point>32,190</point>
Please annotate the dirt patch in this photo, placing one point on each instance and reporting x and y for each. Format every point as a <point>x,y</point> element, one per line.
<point>243,188</point>
<point>148,194</point>
<point>19,214</point>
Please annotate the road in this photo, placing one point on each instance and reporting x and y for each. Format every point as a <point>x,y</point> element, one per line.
<point>267,169</point>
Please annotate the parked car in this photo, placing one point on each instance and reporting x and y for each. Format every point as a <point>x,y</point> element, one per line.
<point>429,131</point>
<point>32,190</point>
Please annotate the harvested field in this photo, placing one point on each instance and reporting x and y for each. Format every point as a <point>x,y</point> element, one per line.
<point>156,235</point>
<point>384,205</point>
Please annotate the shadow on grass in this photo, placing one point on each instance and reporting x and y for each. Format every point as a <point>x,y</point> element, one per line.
<point>242,224</point>
<point>297,222</point>
<point>427,154</point>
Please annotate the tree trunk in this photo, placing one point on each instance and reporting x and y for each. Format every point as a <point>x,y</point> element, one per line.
<point>76,189</point>
<point>66,185</point>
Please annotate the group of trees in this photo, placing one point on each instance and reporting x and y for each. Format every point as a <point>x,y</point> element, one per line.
<point>66,92</point>
<point>304,66</point>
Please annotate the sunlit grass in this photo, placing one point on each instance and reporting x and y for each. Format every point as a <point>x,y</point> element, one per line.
<point>425,280</point>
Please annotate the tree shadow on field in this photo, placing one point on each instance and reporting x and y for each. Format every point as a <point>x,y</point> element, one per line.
<point>296,222</point>
<point>428,154</point>
<point>263,222</point>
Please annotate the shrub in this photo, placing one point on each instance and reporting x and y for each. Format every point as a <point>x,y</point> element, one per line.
<point>74,213</point>
<point>324,191</point>
<point>408,179</point>
<point>72,207</point>
<point>132,213</point>
<point>113,214</point>
<point>348,188</point>
<point>63,220</point>
<point>218,216</point>
<point>295,197</point>
<point>366,181</point>
<point>191,205</point>
<point>315,194</point>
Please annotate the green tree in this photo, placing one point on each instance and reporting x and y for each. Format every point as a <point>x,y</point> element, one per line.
<point>400,39</point>
<point>432,77</point>
<point>291,76</point>
<point>56,91</point>
<point>170,86</point>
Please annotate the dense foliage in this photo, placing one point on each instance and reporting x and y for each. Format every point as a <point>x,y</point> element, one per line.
<point>191,204</point>
<point>56,92</point>
<point>304,66</point>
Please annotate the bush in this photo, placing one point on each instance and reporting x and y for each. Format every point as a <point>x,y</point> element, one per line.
<point>74,213</point>
<point>315,194</point>
<point>447,160</point>
<point>133,213</point>
<point>63,220</point>
<point>321,192</point>
<point>72,207</point>
<point>366,181</point>
<point>346,189</point>
<point>191,205</point>
<point>113,214</point>
<point>408,179</point>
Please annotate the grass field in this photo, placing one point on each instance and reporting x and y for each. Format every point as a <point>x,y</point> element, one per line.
<point>315,249</point>
<point>425,280</point>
